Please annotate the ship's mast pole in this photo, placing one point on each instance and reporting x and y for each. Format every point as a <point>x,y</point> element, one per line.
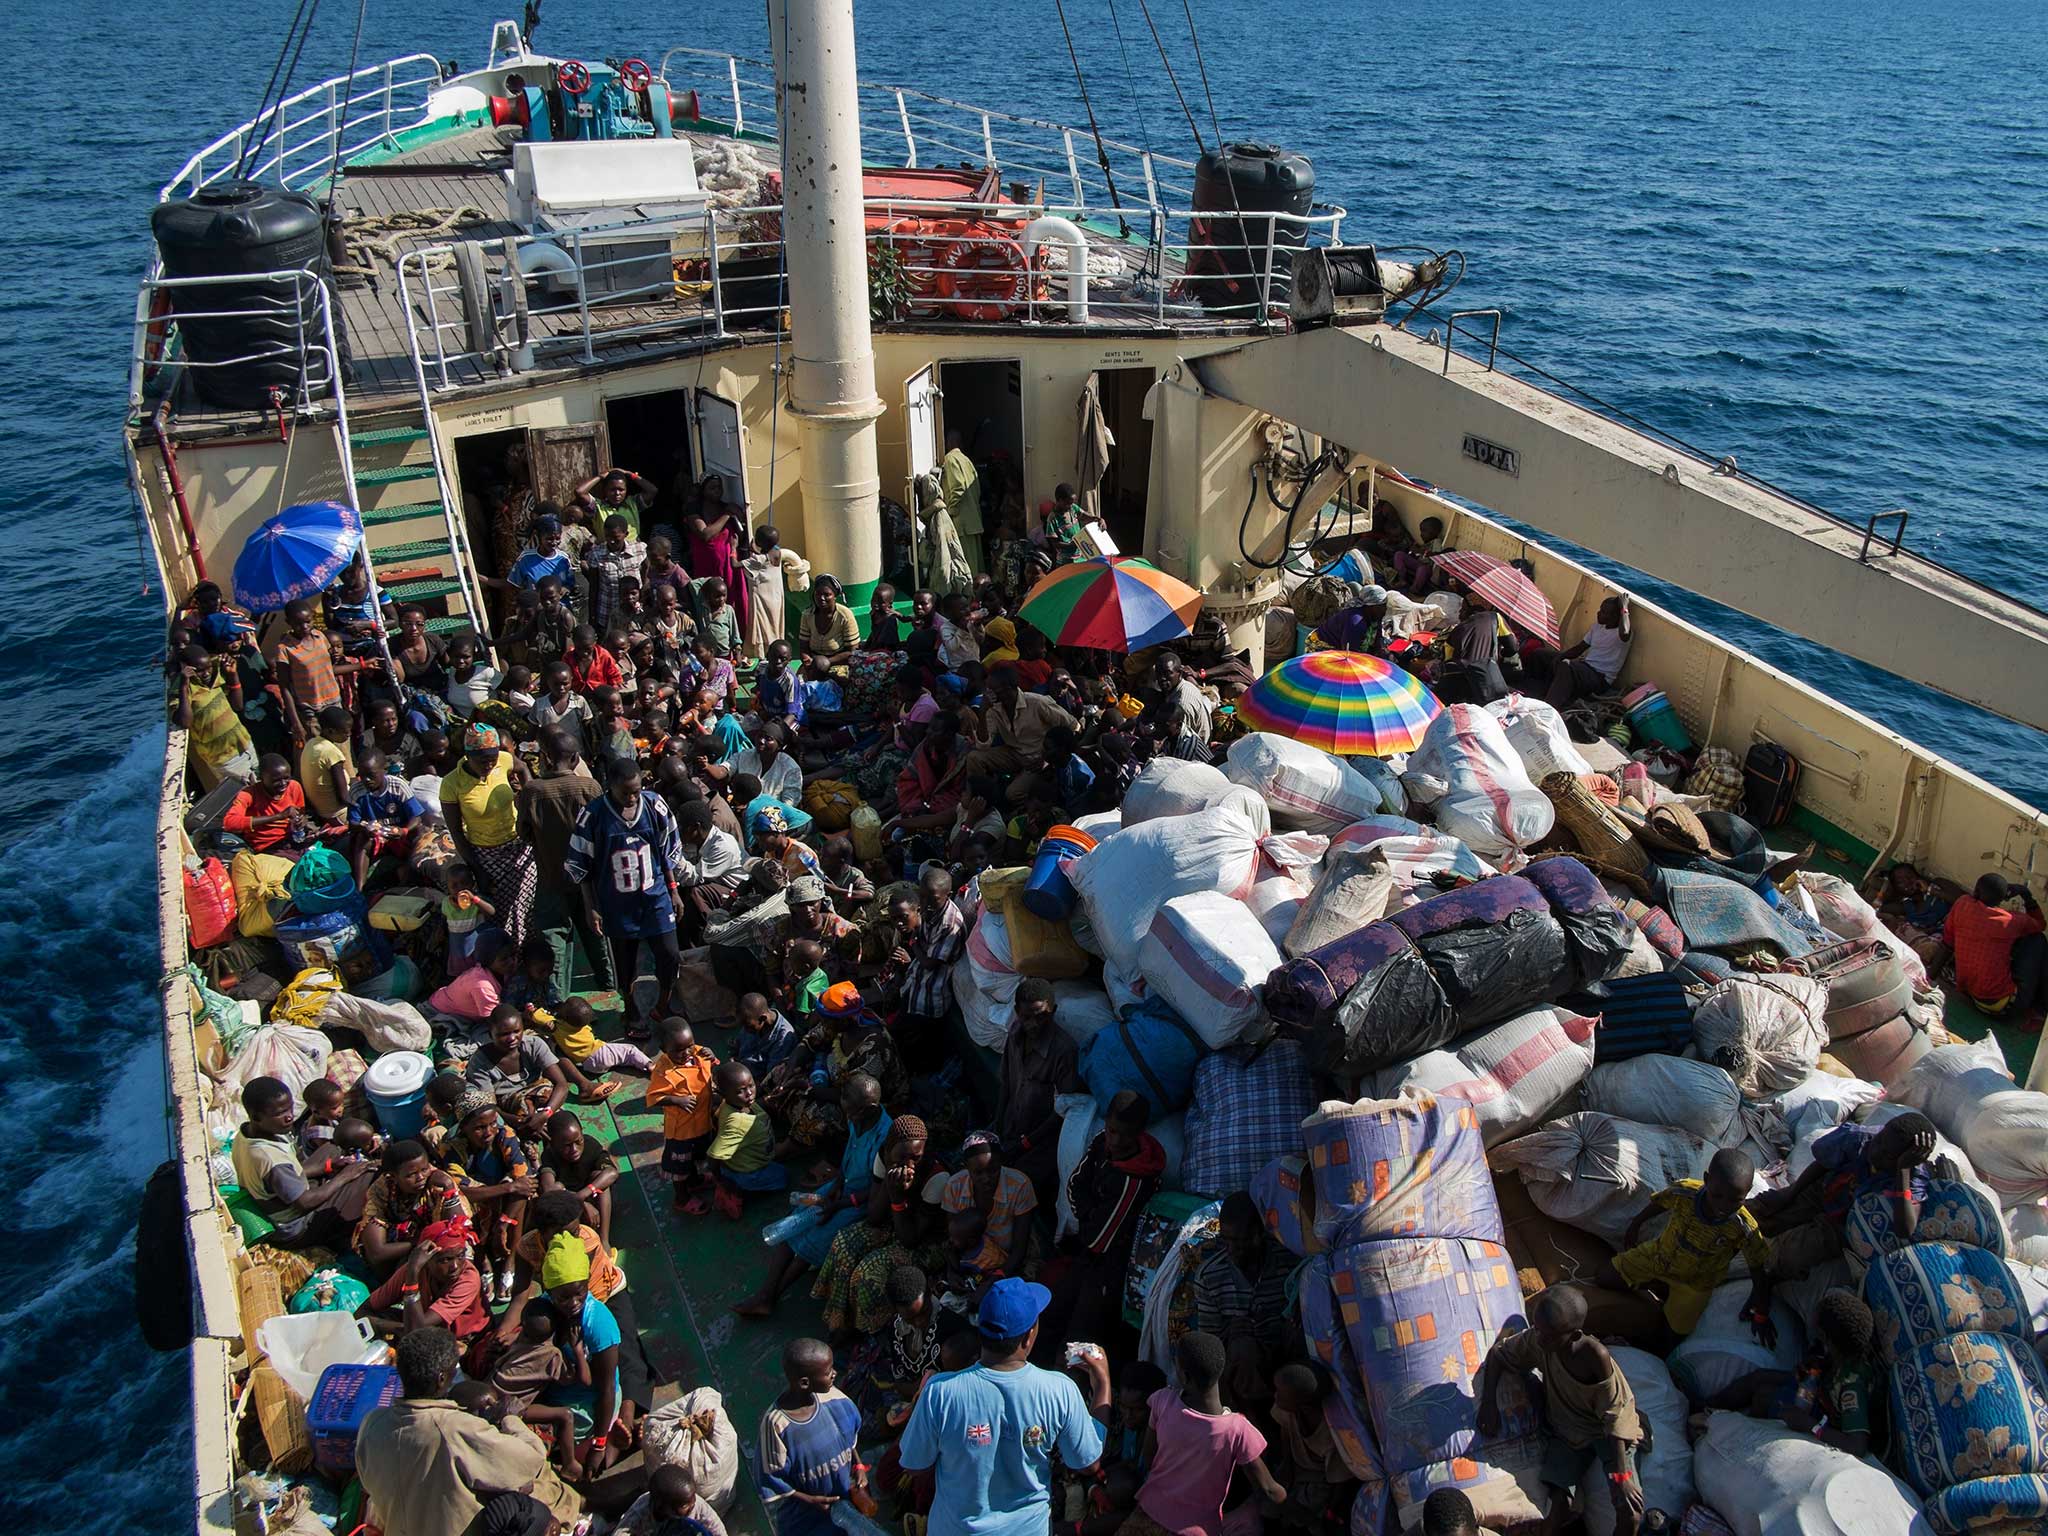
<point>832,385</point>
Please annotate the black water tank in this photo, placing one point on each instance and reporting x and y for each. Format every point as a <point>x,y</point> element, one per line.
<point>251,332</point>
<point>1229,257</point>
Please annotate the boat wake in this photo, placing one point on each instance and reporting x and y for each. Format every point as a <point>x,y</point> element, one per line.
<point>102,1420</point>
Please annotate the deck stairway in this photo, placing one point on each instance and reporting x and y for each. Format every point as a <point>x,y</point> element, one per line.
<point>407,523</point>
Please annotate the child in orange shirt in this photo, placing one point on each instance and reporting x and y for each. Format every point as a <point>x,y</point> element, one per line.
<point>679,1085</point>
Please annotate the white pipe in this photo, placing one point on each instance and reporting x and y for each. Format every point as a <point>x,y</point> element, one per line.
<point>1046,228</point>
<point>541,257</point>
<point>832,383</point>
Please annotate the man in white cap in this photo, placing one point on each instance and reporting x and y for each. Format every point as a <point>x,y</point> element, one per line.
<point>991,1430</point>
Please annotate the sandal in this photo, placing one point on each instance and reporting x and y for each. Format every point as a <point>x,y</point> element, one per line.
<point>598,1092</point>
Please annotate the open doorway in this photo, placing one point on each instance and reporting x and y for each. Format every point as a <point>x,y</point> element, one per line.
<point>1128,479</point>
<point>984,403</point>
<point>650,435</point>
<point>491,470</point>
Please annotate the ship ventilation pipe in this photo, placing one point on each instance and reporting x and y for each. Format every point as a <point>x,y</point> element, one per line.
<point>1042,231</point>
<point>541,258</point>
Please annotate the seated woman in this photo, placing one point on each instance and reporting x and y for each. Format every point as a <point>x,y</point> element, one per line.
<point>803,1094</point>
<point>407,1197</point>
<point>828,630</point>
<point>928,789</point>
<point>547,1216</point>
<point>494,1173</point>
<point>838,1205</point>
<point>1004,1196</point>
<point>521,1072</point>
<point>592,1339</point>
<point>306,1206</point>
<point>905,1225</point>
<point>436,1287</point>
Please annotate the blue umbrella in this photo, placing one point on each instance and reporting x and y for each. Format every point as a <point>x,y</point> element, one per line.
<point>296,554</point>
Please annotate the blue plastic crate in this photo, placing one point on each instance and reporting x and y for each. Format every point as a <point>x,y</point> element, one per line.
<point>344,1397</point>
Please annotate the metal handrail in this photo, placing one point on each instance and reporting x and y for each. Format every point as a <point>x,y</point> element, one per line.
<point>438,324</point>
<point>384,86</point>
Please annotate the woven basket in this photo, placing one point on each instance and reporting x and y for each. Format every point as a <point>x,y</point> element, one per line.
<point>1600,834</point>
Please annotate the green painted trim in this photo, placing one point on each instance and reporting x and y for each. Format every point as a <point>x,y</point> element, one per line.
<point>420,133</point>
<point>1816,826</point>
<point>857,595</point>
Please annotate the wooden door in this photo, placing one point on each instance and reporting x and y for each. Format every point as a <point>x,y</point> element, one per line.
<point>562,458</point>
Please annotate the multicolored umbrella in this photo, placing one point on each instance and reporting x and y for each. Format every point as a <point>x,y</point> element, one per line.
<point>1505,589</point>
<point>1111,603</point>
<point>1344,702</point>
<point>296,554</point>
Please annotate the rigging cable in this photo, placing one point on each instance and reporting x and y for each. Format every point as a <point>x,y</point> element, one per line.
<point>283,91</point>
<point>1130,79</point>
<point>1196,38</point>
<point>1101,150</point>
<point>1173,80</point>
<point>263,101</point>
<point>348,90</point>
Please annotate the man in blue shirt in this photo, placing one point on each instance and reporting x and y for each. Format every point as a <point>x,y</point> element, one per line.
<point>991,1429</point>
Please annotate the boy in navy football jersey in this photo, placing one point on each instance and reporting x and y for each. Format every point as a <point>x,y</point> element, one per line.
<point>624,852</point>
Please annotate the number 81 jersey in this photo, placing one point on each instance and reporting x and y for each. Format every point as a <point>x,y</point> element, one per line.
<point>630,858</point>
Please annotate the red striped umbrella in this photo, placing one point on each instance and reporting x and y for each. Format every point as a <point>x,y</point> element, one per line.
<point>1505,589</point>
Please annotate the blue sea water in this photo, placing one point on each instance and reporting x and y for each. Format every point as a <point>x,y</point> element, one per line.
<point>1813,236</point>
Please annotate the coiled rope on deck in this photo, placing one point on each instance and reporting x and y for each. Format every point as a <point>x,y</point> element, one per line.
<point>375,238</point>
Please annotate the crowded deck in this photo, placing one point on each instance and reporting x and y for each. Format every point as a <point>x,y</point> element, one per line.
<point>670,1032</point>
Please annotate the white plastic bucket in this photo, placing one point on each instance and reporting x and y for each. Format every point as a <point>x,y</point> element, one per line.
<point>303,1344</point>
<point>396,1083</point>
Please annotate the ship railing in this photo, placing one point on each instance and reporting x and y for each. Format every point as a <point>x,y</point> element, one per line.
<point>296,143</point>
<point>1040,160</point>
<point>960,265</point>
<point>288,317</point>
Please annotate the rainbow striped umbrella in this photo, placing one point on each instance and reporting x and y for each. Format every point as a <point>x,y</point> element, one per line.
<point>1344,702</point>
<point>1111,603</point>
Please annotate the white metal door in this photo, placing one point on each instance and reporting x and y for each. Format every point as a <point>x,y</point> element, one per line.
<point>721,450</point>
<point>921,449</point>
<point>921,421</point>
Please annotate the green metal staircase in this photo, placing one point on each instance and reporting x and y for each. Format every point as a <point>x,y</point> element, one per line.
<point>409,525</point>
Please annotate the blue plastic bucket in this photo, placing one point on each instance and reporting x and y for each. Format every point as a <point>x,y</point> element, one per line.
<point>1048,893</point>
<point>396,1084</point>
<point>1655,720</point>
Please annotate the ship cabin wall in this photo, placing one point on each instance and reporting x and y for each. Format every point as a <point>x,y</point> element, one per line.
<point>1051,373</point>
<point>230,486</point>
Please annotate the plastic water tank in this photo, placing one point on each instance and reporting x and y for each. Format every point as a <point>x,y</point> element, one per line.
<point>248,335</point>
<point>1230,257</point>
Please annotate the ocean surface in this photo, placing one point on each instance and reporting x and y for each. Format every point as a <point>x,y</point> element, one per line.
<point>1813,236</point>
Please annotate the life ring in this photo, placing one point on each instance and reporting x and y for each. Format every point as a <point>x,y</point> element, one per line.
<point>982,277</point>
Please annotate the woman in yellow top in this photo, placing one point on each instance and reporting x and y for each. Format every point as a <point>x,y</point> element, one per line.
<point>829,629</point>
<point>479,804</point>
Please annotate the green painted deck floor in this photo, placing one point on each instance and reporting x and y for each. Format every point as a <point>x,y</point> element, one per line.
<point>686,1273</point>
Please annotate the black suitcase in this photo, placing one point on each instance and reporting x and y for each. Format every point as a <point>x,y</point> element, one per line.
<point>1770,784</point>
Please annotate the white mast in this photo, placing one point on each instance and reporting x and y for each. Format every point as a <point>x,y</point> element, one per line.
<point>832,385</point>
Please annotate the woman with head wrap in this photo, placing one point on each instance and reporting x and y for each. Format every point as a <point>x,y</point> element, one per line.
<point>593,1340</point>
<point>494,1172</point>
<point>436,1287</point>
<point>480,808</point>
<point>905,1225</point>
<point>1004,1196</point>
<point>549,1216</point>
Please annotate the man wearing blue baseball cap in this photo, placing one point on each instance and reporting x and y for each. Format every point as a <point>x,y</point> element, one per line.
<point>991,1429</point>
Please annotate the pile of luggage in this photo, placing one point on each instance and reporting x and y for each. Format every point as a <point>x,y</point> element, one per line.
<point>1454,1021</point>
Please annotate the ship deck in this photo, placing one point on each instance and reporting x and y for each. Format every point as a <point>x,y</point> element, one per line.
<point>403,197</point>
